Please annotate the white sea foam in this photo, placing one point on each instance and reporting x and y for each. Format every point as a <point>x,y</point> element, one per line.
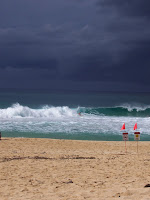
<point>138,107</point>
<point>18,118</point>
<point>19,111</point>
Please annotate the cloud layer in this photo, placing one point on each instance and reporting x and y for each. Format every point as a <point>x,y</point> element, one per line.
<point>88,45</point>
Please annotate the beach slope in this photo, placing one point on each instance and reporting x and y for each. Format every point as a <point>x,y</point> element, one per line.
<point>69,170</point>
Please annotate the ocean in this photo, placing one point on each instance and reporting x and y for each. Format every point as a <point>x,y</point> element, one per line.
<point>73,115</point>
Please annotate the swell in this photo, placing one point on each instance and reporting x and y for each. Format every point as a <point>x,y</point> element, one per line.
<point>118,111</point>
<point>20,111</point>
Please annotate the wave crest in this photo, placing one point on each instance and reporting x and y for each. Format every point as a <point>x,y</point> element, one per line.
<point>123,110</point>
<point>20,111</point>
<point>17,110</point>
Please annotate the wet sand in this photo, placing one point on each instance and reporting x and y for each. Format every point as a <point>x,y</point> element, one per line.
<point>69,170</point>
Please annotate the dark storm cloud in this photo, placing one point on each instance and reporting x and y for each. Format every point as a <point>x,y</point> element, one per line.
<point>130,24</point>
<point>129,7</point>
<point>67,43</point>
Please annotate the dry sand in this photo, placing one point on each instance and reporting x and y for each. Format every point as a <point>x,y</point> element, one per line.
<point>63,169</point>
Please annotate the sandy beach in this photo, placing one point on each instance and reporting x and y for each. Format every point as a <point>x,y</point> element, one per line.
<point>66,169</point>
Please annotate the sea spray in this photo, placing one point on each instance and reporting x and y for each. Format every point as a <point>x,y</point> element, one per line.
<point>64,122</point>
<point>17,110</point>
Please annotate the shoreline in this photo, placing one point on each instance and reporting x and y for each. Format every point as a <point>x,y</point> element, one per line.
<point>37,168</point>
<point>131,139</point>
<point>45,138</point>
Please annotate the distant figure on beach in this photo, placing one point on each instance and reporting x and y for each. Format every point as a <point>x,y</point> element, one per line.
<point>79,113</point>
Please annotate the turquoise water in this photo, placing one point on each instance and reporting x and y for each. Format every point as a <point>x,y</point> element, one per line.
<point>50,114</point>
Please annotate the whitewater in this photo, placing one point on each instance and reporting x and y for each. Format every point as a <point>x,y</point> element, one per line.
<point>96,123</point>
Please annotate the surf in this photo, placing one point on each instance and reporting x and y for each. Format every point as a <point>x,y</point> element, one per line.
<point>20,111</point>
<point>122,110</point>
<point>65,122</point>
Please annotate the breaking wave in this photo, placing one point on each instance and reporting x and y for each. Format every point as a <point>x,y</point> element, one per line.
<point>64,122</point>
<point>20,111</point>
<point>124,110</point>
<point>17,110</point>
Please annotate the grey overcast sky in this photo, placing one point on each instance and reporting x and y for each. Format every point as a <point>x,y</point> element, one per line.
<point>97,45</point>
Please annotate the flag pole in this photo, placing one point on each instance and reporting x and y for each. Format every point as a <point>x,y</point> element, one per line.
<point>125,147</point>
<point>138,136</point>
<point>125,136</point>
